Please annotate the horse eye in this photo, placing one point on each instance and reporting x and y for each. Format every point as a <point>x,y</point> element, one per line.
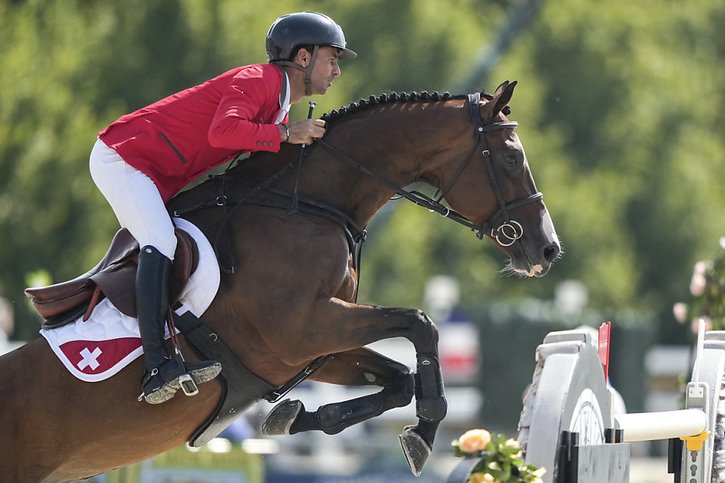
<point>511,159</point>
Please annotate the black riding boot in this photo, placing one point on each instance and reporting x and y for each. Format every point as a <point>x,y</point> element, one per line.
<point>164,374</point>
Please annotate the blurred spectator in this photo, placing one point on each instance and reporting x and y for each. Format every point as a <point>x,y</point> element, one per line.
<point>458,344</point>
<point>441,297</point>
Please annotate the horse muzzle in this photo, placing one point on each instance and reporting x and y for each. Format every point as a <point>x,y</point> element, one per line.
<point>532,249</point>
<point>534,260</point>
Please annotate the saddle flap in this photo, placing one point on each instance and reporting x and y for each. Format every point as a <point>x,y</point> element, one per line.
<point>118,285</point>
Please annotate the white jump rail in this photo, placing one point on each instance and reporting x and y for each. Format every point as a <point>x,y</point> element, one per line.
<point>661,424</point>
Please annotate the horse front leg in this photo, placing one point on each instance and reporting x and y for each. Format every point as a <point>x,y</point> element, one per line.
<point>430,401</point>
<point>361,367</point>
<point>431,407</point>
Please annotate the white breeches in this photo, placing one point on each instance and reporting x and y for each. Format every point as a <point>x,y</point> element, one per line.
<point>134,198</point>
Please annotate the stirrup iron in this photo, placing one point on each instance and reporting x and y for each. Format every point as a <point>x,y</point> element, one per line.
<point>188,385</point>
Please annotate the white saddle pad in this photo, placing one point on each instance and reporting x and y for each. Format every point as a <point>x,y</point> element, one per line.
<point>109,340</point>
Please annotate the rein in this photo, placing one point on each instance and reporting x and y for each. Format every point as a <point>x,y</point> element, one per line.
<point>505,233</point>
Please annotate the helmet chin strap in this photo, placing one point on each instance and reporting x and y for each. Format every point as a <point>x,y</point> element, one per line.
<point>307,70</point>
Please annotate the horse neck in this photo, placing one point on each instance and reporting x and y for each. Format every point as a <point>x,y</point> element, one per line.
<point>400,143</point>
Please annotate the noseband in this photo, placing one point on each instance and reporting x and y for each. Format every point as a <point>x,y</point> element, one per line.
<point>508,230</point>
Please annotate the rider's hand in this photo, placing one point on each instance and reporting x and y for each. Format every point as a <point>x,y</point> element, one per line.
<point>306,131</point>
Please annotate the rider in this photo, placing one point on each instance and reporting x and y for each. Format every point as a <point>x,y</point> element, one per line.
<point>144,158</point>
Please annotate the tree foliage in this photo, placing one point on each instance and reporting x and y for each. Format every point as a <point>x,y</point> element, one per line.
<point>619,105</point>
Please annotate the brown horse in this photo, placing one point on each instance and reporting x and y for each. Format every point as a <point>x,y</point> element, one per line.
<point>288,224</point>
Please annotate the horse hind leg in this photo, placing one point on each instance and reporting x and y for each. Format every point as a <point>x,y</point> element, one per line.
<point>290,416</point>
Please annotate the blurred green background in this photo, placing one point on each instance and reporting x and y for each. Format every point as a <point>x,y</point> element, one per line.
<point>621,107</point>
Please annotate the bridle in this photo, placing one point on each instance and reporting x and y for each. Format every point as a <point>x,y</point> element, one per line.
<point>508,230</point>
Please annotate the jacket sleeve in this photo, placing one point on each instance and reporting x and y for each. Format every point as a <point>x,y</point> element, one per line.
<point>239,120</point>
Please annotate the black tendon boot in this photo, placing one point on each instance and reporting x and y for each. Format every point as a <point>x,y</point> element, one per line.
<point>164,374</point>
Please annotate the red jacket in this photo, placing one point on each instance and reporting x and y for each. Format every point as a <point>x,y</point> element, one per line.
<point>178,138</point>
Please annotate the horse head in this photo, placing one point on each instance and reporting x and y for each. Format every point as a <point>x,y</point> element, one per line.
<point>511,211</point>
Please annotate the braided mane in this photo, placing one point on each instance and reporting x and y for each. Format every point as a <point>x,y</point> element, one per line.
<point>394,97</point>
<point>387,99</point>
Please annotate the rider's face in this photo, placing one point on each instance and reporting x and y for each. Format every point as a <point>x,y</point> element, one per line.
<point>326,69</point>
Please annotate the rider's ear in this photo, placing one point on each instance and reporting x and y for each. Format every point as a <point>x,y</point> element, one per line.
<point>303,57</point>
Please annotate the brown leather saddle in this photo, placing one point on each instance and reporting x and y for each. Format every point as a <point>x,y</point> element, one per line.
<point>114,277</point>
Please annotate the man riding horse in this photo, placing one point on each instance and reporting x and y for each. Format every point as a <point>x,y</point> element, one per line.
<point>144,158</point>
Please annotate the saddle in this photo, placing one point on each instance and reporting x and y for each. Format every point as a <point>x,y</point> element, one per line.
<point>114,277</point>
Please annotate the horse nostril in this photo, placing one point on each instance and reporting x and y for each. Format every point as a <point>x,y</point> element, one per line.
<point>551,252</point>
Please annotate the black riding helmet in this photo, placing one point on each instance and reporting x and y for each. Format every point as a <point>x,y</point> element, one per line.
<point>294,30</point>
<point>304,28</point>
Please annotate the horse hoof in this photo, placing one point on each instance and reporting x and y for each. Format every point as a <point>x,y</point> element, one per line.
<point>280,418</point>
<point>415,449</point>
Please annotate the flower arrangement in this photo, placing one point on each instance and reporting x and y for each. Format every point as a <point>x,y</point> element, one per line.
<point>707,287</point>
<point>500,458</point>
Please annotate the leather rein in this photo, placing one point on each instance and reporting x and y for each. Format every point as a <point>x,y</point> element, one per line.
<point>508,230</point>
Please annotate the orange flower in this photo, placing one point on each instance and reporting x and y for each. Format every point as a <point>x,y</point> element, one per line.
<point>474,440</point>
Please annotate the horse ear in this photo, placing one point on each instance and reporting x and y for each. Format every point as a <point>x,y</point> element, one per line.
<point>501,98</point>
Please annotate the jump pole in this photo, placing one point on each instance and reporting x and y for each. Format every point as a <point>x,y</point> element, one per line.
<point>661,425</point>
